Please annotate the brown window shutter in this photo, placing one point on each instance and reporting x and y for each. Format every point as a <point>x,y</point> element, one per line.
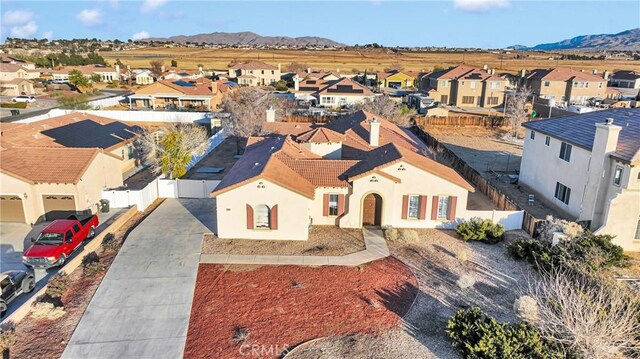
<point>405,206</point>
<point>325,205</point>
<point>249,217</point>
<point>273,218</point>
<point>340,204</point>
<point>452,207</point>
<point>434,208</point>
<point>422,210</point>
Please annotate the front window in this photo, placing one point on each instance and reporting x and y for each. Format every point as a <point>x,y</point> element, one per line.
<point>562,193</point>
<point>468,100</point>
<point>565,151</point>
<point>333,204</point>
<point>443,207</point>
<point>617,176</point>
<point>262,218</point>
<point>445,83</point>
<point>49,239</point>
<point>472,84</point>
<point>494,85</point>
<point>413,206</point>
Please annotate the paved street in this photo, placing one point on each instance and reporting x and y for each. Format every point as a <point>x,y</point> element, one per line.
<point>142,307</point>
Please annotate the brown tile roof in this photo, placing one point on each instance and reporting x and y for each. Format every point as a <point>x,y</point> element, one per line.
<point>345,86</point>
<point>201,88</point>
<point>287,128</point>
<point>8,67</point>
<point>16,81</point>
<point>47,165</point>
<point>453,73</point>
<point>321,135</point>
<point>563,74</point>
<point>253,65</point>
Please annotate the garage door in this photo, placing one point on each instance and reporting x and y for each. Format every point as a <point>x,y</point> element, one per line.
<point>58,206</point>
<point>11,209</point>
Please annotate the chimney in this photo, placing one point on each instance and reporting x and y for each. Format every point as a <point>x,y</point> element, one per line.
<point>606,138</point>
<point>309,70</point>
<point>200,68</point>
<point>118,70</point>
<point>338,70</point>
<point>162,68</point>
<point>374,133</point>
<point>279,67</point>
<point>595,72</point>
<point>581,70</point>
<point>523,73</point>
<point>271,114</point>
<point>485,67</point>
<point>605,75</point>
<point>493,71</point>
<point>296,82</point>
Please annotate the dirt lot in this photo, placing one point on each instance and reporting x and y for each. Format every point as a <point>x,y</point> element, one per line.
<point>221,157</point>
<point>436,261</point>
<point>323,241</point>
<point>282,306</point>
<point>347,60</point>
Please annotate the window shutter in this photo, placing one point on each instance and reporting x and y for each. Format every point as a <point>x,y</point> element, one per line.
<point>249,217</point>
<point>273,220</point>
<point>325,205</point>
<point>422,209</point>
<point>405,206</point>
<point>452,208</point>
<point>434,208</point>
<point>340,204</point>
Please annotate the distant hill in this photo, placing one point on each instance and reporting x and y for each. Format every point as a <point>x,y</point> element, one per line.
<point>248,38</point>
<point>626,40</point>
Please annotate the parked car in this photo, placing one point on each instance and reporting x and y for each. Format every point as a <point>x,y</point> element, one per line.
<point>59,240</point>
<point>13,283</point>
<point>24,98</point>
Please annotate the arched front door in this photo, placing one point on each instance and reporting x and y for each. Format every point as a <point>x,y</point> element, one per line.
<point>372,210</point>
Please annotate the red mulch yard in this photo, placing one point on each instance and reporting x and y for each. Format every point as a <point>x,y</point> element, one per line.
<point>282,306</point>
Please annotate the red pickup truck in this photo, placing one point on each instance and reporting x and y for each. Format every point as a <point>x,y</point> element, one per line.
<point>58,240</point>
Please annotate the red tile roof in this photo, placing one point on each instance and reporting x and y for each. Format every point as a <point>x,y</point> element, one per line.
<point>47,164</point>
<point>253,65</point>
<point>321,135</point>
<point>563,74</point>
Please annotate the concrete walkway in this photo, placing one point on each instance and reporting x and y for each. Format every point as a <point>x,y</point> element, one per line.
<point>142,307</point>
<point>373,240</point>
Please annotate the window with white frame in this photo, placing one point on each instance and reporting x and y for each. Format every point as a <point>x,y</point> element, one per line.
<point>472,84</point>
<point>261,220</point>
<point>617,176</point>
<point>443,207</point>
<point>333,204</point>
<point>414,203</point>
<point>565,151</point>
<point>494,85</point>
<point>492,100</point>
<point>547,140</point>
<point>563,193</point>
<point>445,83</point>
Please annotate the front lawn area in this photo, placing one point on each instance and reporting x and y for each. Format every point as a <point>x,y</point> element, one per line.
<point>240,310</point>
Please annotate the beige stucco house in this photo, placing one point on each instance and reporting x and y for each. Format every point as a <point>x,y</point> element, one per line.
<point>588,167</point>
<point>16,87</point>
<point>567,85</point>
<point>357,170</point>
<point>329,92</point>
<point>106,73</point>
<point>201,94</point>
<point>16,77</point>
<point>254,73</point>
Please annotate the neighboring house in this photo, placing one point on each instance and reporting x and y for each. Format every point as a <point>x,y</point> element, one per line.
<point>10,71</point>
<point>357,170</point>
<point>625,79</point>
<point>107,74</point>
<point>331,93</point>
<point>179,74</point>
<point>588,166</point>
<point>201,94</point>
<point>254,73</point>
<point>396,79</point>
<point>465,86</point>
<point>16,61</point>
<point>16,87</point>
<point>567,85</point>
<point>61,164</point>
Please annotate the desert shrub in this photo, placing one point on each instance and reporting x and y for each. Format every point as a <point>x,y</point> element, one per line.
<point>45,310</point>
<point>550,225</point>
<point>526,307</point>
<point>462,256</point>
<point>58,285</point>
<point>391,234</point>
<point>282,86</point>
<point>240,335</point>
<point>477,335</point>
<point>7,336</point>
<point>465,281</point>
<point>91,265</point>
<point>477,229</point>
<point>14,105</point>
<point>110,243</point>
<point>408,236</point>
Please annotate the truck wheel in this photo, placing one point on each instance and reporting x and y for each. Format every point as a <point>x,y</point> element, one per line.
<point>61,260</point>
<point>92,233</point>
<point>28,284</point>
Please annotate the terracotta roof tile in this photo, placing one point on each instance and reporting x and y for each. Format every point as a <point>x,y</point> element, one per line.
<point>321,135</point>
<point>562,74</point>
<point>47,165</point>
<point>253,65</point>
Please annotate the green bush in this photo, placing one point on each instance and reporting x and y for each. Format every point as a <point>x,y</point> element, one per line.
<point>91,265</point>
<point>477,335</point>
<point>14,105</point>
<point>282,86</point>
<point>480,230</point>
<point>58,285</point>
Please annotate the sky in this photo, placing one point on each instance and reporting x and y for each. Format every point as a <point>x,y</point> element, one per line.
<point>450,23</point>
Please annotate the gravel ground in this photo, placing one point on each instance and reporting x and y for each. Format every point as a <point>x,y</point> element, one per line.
<point>434,261</point>
<point>323,241</point>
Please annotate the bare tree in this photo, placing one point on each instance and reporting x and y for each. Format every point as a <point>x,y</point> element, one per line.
<point>594,316</point>
<point>387,108</point>
<point>515,108</point>
<point>156,68</point>
<point>394,67</point>
<point>169,149</point>
<point>247,108</point>
<point>297,67</point>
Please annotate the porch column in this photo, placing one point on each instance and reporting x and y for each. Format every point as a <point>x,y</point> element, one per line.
<point>130,107</point>
<point>179,102</point>
<point>153,101</point>
<point>209,104</point>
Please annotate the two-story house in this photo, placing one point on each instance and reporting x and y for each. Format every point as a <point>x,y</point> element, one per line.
<point>331,93</point>
<point>588,167</point>
<point>254,73</point>
<point>106,73</point>
<point>16,76</point>
<point>567,85</point>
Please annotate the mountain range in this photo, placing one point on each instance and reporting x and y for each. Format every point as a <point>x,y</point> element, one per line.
<point>248,38</point>
<point>626,40</point>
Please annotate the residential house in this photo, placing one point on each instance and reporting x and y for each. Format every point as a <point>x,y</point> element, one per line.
<point>331,93</point>
<point>16,77</point>
<point>107,74</point>
<point>201,95</point>
<point>397,79</point>
<point>625,79</point>
<point>16,61</point>
<point>466,86</point>
<point>16,87</point>
<point>588,167</point>
<point>567,85</point>
<point>180,74</point>
<point>59,165</point>
<point>357,170</point>
<point>254,73</point>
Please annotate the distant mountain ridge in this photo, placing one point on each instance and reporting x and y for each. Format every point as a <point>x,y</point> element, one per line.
<point>248,38</point>
<point>626,40</point>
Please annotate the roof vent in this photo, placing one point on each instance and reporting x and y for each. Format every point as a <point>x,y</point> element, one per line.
<point>608,121</point>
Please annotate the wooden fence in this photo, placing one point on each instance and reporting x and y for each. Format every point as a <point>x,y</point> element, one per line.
<point>481,121</point>
<point>499,199</point>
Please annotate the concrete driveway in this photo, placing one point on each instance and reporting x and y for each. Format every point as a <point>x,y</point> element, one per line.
<point>142,307</point>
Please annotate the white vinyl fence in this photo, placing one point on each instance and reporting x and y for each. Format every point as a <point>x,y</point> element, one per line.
<point>106,102</point>
<point>509,219</point>
<point>131,116</point>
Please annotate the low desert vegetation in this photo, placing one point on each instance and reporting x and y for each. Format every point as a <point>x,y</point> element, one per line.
<point>91,265</point>
<point>477,229</point>
<point>57,286</point>
<point>240,335</point>
<point>401,235</point>
<point>14,105</point>
<point>7,338</point>
<point>45,310</point>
